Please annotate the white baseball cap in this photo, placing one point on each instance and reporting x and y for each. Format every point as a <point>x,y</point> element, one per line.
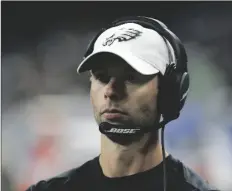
<point>142,48</point>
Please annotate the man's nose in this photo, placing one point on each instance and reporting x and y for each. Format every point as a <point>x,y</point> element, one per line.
<point>115,89</point>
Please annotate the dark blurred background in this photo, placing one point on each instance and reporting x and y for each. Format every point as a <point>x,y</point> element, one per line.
<point>47,122</point>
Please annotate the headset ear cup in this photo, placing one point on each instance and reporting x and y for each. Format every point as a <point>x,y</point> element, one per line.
<point>173,90</point>
<point>172,86</point>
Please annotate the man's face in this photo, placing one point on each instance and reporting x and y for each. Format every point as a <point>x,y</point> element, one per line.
<point>121,95</point>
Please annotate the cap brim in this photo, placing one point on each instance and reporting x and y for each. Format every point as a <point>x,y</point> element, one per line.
<point>138,64</point>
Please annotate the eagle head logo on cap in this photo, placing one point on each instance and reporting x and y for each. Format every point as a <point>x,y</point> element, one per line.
<point>123,34</point>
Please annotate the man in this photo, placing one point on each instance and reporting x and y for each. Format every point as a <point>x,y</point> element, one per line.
<point>129,66</point>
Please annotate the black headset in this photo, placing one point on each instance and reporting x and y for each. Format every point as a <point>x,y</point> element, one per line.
<point>174,84</point>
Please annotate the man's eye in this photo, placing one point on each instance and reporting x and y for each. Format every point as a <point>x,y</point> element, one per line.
<point>138,79</point>
<point>133,78</point>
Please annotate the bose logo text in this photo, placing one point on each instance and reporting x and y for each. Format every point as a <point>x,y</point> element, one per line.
<point>129,131</point>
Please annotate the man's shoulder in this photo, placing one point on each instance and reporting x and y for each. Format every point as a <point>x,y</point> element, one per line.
<point>66,179</point>
<point>188,178</point>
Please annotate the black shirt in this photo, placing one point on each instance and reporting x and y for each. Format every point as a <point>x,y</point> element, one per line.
<point>89,177</point>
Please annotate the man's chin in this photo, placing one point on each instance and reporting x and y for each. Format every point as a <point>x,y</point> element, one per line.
<point>116,121</point>
<point>113,123</point>
<point>123,139</point>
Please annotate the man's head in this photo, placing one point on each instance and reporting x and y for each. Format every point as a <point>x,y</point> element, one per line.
<point>124,73</point>
<point>125,63</point>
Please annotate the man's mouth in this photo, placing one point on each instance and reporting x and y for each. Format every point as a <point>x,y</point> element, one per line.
<point>113,114</point>
<point>114,111</point>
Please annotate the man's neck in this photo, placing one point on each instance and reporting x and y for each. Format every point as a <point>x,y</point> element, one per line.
<point>118,160</point>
